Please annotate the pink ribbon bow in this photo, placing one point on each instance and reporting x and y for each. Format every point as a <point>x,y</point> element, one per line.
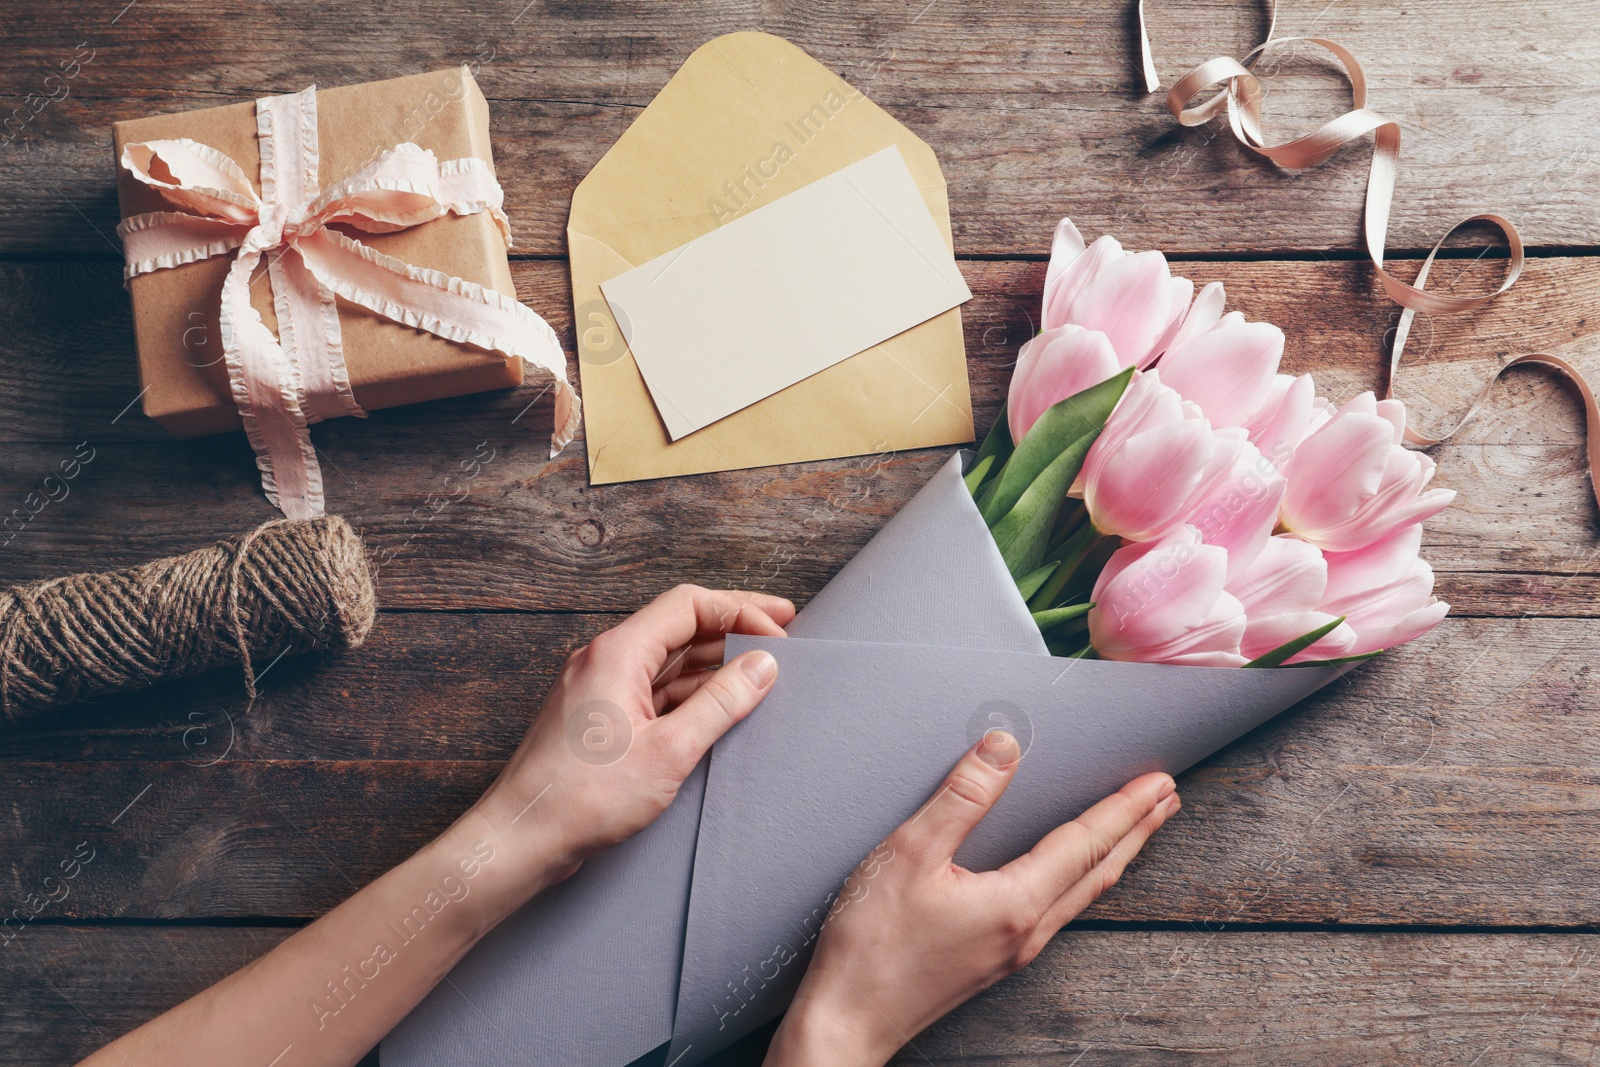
<point>282,384</point>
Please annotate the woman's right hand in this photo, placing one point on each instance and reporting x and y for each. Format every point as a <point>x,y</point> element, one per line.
<point>913,935</point>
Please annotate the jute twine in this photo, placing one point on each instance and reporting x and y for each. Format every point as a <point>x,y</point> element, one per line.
<point>287,586</point>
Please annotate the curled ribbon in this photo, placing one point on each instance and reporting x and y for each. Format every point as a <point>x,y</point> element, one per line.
<point>1241,96</point>
<point>284,383</point>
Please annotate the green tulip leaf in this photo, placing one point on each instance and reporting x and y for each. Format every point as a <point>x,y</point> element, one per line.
<point>1026,586</point>
<point>1052,617</point>
<point>998,441</point>
<point>979,472</point>
<point>1023,532</point>
<point>1058,429</point>
<point>1276,657</point>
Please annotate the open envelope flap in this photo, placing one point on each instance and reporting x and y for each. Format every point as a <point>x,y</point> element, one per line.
<point>855,737</point>
<point>748,119</point>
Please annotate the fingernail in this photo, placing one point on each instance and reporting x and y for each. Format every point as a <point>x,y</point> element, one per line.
<point>1168,787</point>
<point>1170,806</point>
<point>998,749</point>
<point>760,668</point>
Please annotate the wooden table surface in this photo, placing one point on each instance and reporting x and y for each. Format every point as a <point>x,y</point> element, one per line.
<point>1404,870</point>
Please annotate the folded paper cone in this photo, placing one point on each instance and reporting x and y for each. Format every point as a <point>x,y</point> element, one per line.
<point>914,650</point>
<point>917,647</point>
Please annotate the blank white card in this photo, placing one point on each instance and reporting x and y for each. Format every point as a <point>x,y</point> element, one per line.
<point>786,291</point>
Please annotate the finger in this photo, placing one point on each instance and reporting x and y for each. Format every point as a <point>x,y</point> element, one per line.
<point>697,655</point>
<point>1104,874</point>
<point>725,698</point>
<point>679,689</point>
<point>670,669</point>
<point>684,612</point>
<point>1067,853</point>
<point>934,833</point>
<point>704,653</point>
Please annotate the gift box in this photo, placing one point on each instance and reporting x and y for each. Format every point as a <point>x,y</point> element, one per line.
<point>373,205</point>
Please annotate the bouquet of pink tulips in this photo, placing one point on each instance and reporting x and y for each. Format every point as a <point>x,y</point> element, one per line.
<point>1162,494</point>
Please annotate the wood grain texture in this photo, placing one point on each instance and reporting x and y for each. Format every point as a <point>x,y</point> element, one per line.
<point>1105,997</point>
<point>1036,110</point>
<point>530,534</point>
<point>1451,784</point>
<point>1452,781</point>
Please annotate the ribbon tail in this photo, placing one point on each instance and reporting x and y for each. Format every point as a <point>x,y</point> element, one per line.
<point>309,332</point>
<point>1152,80</point>
<point>266,389</point>
<point>453,308</point>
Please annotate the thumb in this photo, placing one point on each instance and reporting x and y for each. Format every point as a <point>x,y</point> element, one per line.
<point>724,699</point>
<point>962,800</point>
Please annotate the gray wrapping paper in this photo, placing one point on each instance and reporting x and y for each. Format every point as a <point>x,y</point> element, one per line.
<point>584,975</point>
<point>905,658</point>
<point>874,703</point>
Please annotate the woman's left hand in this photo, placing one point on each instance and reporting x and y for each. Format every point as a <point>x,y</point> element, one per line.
<point>629,718</point>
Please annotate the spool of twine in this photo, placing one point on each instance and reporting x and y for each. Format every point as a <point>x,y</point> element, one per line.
<point>286,587</point>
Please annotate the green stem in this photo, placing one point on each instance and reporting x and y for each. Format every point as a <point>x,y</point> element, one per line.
<point>1071,553</point>
<point>1071,522</point>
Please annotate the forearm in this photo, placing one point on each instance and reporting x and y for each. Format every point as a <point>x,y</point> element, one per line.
<point>329,993</point>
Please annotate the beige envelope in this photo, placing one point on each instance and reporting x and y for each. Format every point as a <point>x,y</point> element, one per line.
<point>747,119</point>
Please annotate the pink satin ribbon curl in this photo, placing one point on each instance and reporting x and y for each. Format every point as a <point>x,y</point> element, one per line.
<point>283,383</point>
<point>1241,96</point>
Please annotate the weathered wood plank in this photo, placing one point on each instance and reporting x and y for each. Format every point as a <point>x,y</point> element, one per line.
<point>1452,781</point>
<point>533,535</point>
<point>67,363</point>
<point>1036,110</point>
<point>1267,999</point>
<point>1125,998</point>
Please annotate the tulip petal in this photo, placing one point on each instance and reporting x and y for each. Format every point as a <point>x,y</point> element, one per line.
<point>1063,287</point>
<point>1065,247</point>
<point>1239,514</point>
<point>1335,471</point>
<point>1182,294</point>
<point>1143,488</point>
<point>1283,421</point>
<point>1353,576</point>
<point>1053,366</point>
<point>1162,595</point>
<point>1410,626</point>
<point>1128,299</point>
<point>1287,577</point>
<point>1203,314</point>
<point>1228,370</point>
<point>1271,631</point>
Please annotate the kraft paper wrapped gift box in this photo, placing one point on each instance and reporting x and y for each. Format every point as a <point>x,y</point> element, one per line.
<point>175,312</point>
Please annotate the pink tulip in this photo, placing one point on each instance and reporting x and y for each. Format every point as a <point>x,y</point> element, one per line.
<point>1132,298</point>
<point>1352,482</point>
<point>1241,512</point>
<point>1228,369</point>
<point>1281,592</point>
<point>1163,602</point>
<point>1052,367</point>
<point>1291,412</point>
<point>1156,459</point>
<point>1385,591</point>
